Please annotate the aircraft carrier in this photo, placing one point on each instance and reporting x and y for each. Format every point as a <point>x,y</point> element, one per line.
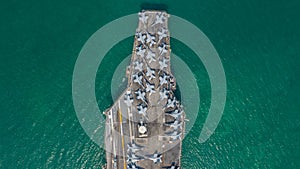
<point>145,126</point>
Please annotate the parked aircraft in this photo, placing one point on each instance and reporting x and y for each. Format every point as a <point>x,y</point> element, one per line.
<point>140,95</point>
<point>141,37</point>
<point>176,113</point>
<point>163,79</point>
<point>138,79</point>
<point>133,166</point>
<point>162,34</point>
<point>142,110</point>
<point>138,66</point>
<point>163,64</point>
<point>172,166</point>
<point>171,103</point>
<point>150,73</point>
<point>131,157</point>
<point>150,88</point>
<point>156,158</point>
<point>162,49</point>
<point>150,56</point>
<point>143,17</point>
<point>150,39</point>
<point>164,94</point>
<point>160,18</point>
<point>133,147</point>
<point>128,100</point>
<point>175,135</point>
<point>175,124</point>
<point>140,51</point>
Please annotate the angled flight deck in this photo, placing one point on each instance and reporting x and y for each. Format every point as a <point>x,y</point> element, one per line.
<point>145,126</point>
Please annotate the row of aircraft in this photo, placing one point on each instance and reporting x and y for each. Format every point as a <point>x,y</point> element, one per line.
<point>150,73</point>
<point>150,56</point>
<point>172,104</point>
<point>148,87</point>
<point>134,166</point>
<point>147,40</point>
<point>132,158</point>
<point>159,18</point>
<point>164,78</point>
<point>174,109</point>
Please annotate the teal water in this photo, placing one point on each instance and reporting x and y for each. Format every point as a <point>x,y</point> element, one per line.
<point>258,43</point>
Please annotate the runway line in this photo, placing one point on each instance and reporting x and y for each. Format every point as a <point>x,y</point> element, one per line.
<point>121,128</point>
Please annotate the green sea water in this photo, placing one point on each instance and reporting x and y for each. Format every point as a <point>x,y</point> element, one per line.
<point>258,44</point>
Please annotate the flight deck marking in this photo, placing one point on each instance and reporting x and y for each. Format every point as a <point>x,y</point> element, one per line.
<point>113,143</point>
<point>129,123</point>
<point>122,135</point>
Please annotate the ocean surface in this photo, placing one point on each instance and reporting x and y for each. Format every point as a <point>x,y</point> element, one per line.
<point>258,43</point>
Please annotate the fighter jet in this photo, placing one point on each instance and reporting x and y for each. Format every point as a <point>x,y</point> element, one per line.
<point>164,94</point>
<point>163,64</point>
<point>163,79</point>
<point>150,73</point>
<point>162,34</point>
<point>172,166</point>
<point>140,37</point>
<point>171,103</point>
<point>150,39</point>
<point>150,56</point>
<point>163,49</point>
<point>128,100</point>
<point>176,113</point>
<point>159,19</point>
<point>174,135</point>
<point>156,158</point>
<point>150,88</point>
<point>138,66</point>
<point>137,79</point>
<point>172,83</point>
<point>175,124</point>
<point>140,95</point>
<point>143,17</point>
<point>131,157</point>
<point>140,51</point>
<point>133,166</point>
<point>133,147</point>
<point>142,110</point>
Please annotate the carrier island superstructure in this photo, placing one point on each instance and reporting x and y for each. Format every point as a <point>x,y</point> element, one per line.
<point>145,126</point>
